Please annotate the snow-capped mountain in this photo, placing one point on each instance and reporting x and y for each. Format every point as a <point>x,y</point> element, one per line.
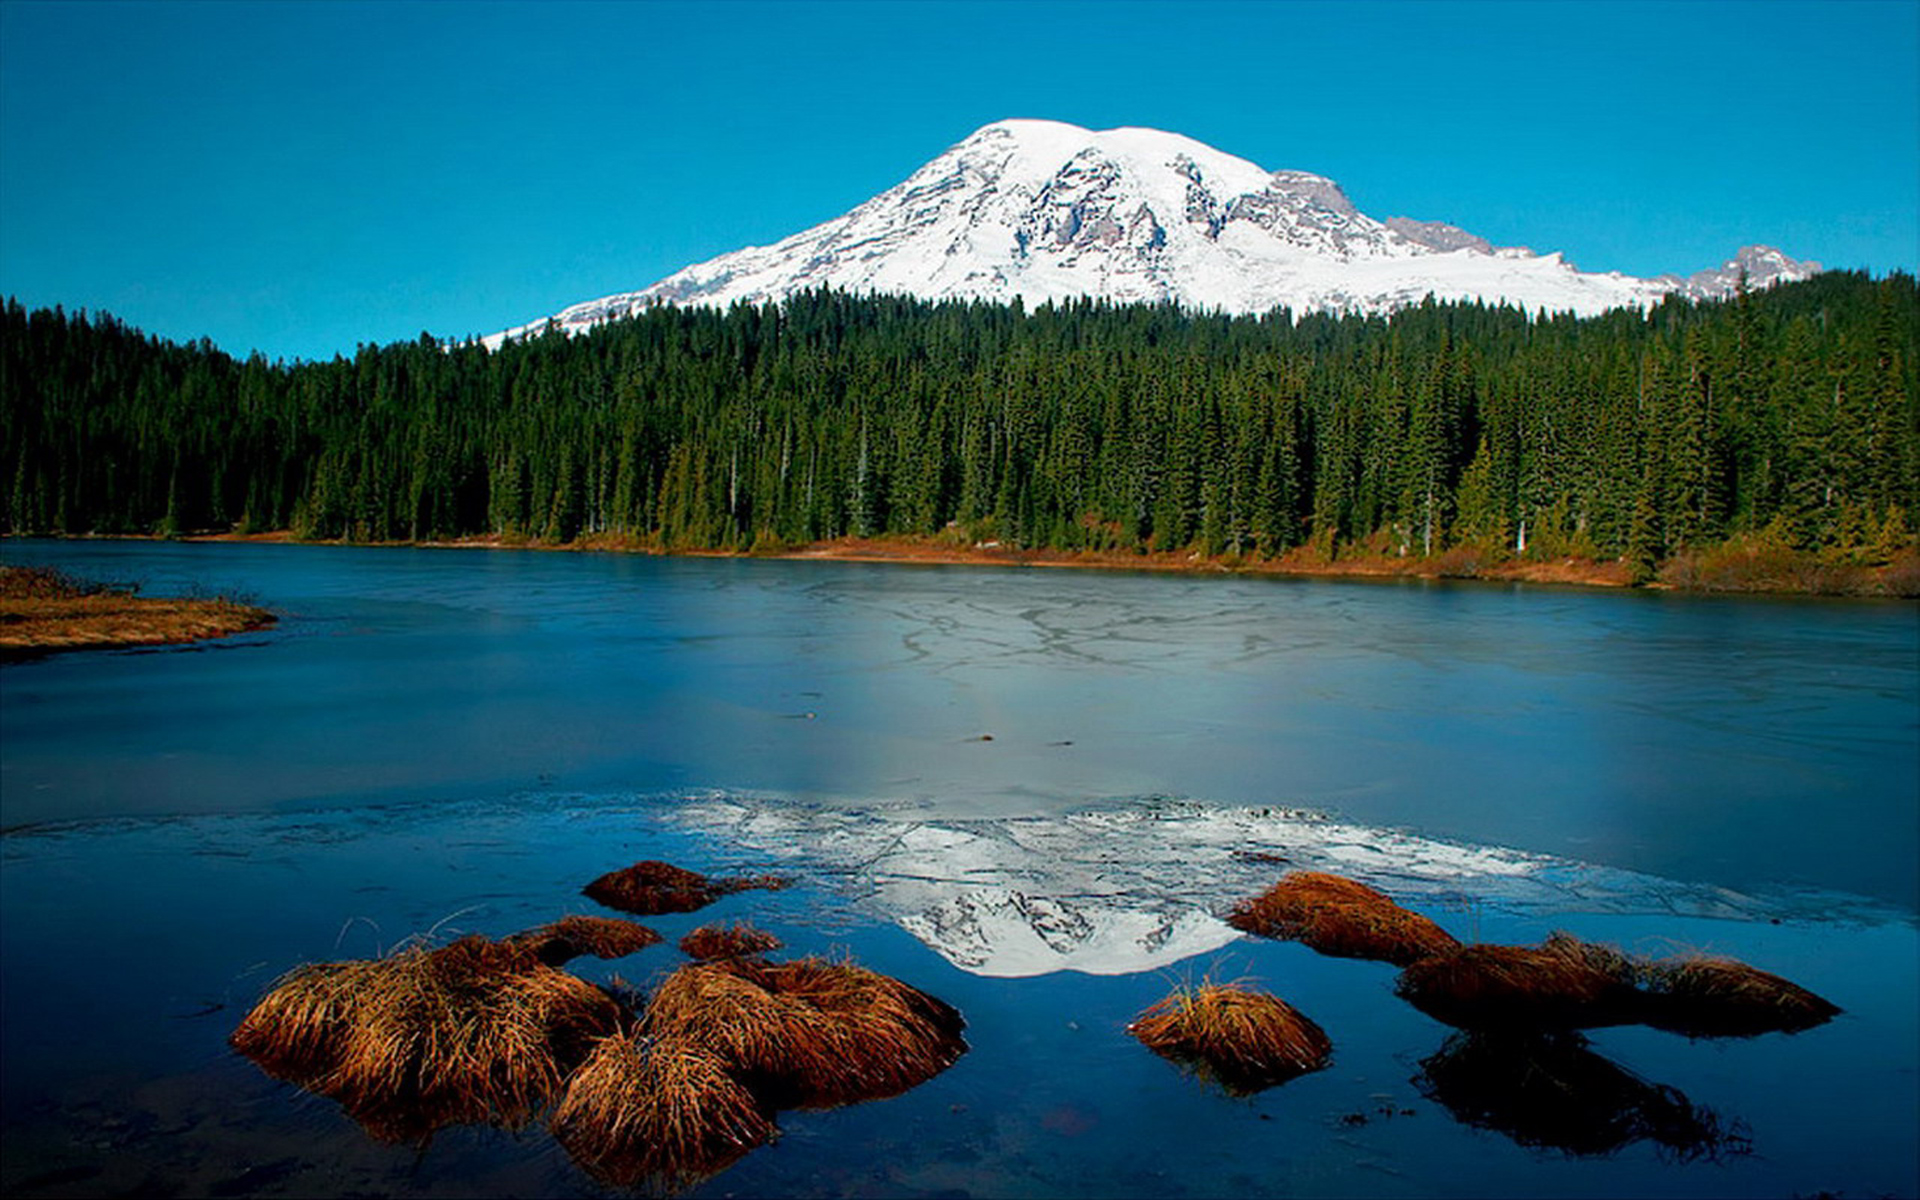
<point>1042,210</point>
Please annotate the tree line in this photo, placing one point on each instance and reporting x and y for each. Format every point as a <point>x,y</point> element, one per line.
<point>1080,425</point>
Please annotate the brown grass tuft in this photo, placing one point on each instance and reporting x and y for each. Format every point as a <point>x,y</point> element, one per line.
<point>728,941</point>
<point>1703,996</point>
<point>1563,984</point>
<point>651,888</point>
<point>1552,1091</point>
<point>1243,1039</point>
<point>297,1029</point>
<point>43,610</point>
<point>474,1031</point>
<point>809,1033</point>
<point>661,1112</point>
<point>570,937</point>
<point>1341,917</point>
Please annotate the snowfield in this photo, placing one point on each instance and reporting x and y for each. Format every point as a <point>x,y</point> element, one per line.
<point>1045,211</point>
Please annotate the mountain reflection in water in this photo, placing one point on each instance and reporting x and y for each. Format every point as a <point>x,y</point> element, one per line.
<point>1140,885</point>
<point>1048,933</point>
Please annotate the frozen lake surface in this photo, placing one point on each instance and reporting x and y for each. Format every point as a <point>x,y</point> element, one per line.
<point>1030,792</point>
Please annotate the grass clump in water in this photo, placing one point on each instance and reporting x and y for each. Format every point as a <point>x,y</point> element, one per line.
<point>562,941</point>
<point>1706,996</point>
<point>809,1033</point>
<point>1243,1039</point>
<point>652,887</point>
<point>477,1031</point>
<point>728,941</point>
<point>1340,917</point>
<point>1564,983</point>
<point>660,1112</point>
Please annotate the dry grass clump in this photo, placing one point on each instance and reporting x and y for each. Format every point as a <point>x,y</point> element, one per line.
<point>1564,984</point>
<point>728,941</point>
<point>1341,917</point>
<point>49,583</point>
<point>562,941</point>
<point>474,1031</point>
<point>652,887</point>
<point>1243,1039</point>
<point>1703,996</point>
<point>44,610</point>
<point>809,1033</point>
<point>1552,1091</point>
<point>664,1112</point>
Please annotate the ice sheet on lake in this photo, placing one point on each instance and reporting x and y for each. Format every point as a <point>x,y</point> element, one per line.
<point>1138,885</point>
<point>1119,887</point>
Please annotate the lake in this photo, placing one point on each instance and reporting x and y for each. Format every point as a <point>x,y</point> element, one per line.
<point>1030,792</point>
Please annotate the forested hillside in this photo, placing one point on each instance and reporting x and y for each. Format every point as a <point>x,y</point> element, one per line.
<point>1791,411</point>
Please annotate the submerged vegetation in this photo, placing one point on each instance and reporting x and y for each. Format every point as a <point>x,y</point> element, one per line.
<point>1767,441</point>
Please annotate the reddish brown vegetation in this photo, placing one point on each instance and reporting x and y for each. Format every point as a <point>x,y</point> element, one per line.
<point>43,610</point>
<point>722,1044</point>
<point>663,1112</point>
<point>1562,984</point>
<point>570,937</point>
<point>728,941</point>
<point>1566,983</point>
<point>1342,917</point>
<point>1700,996</point>
<point>475,1031</point>
<point>651,888</point>
<point>1242,1039</point>
<point>809,1033</point>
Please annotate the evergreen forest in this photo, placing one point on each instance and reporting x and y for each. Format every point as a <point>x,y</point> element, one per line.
<point>1788,414</point>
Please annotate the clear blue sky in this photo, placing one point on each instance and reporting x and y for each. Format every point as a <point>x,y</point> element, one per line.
<point>300,178</point>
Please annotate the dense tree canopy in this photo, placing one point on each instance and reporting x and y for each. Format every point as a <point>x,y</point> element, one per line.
<point>1628,435</point>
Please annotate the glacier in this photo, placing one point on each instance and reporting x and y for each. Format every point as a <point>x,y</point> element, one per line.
<point>1047,212</point>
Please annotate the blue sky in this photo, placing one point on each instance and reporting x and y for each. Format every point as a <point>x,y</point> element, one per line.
<point>299,178</point>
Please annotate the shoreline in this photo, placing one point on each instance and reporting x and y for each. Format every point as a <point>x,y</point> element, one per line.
<point>44,613</point>
<point>1730,569</point>
<point>927,550</point>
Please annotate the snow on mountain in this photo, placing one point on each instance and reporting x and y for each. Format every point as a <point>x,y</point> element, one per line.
<point>1046,211</point>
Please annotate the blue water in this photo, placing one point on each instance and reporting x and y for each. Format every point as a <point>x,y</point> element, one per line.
<point>460,739</point>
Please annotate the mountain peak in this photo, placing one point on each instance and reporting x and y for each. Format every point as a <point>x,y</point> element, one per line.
<point>1043,210</point>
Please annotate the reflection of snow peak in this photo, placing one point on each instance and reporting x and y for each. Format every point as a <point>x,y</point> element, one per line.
<point>1142,884</point>
<point>1003,932</point>
<point>1109,891</point>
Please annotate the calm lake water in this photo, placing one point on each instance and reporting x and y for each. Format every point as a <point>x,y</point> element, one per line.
<point>1031,792</point>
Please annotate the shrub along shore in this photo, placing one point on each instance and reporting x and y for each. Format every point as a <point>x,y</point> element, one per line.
<point>1743,564</point>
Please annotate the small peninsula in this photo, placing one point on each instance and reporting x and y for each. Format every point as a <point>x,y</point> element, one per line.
<point>43,611</point>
